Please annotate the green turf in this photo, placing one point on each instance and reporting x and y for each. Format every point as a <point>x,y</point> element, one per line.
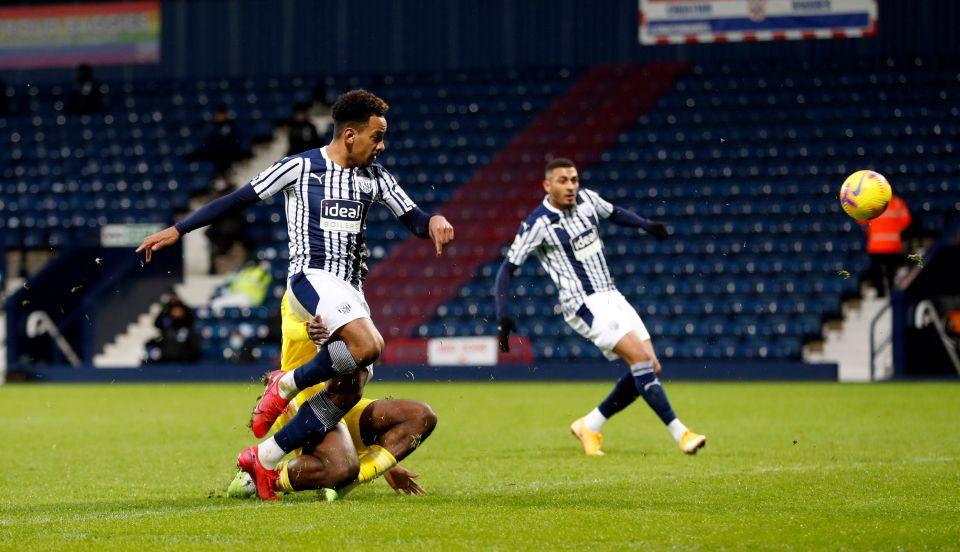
<point>787,466</point>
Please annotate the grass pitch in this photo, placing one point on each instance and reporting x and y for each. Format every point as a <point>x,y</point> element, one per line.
<point>787,466</point>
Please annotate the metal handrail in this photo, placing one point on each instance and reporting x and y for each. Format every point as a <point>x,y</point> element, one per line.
<point>875,347</point>
<point>926,314</point>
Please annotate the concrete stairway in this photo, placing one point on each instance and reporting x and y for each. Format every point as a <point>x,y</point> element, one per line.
<point>126,351</point>
<point>849,344</point>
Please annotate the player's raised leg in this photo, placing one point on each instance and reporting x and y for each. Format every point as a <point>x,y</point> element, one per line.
<point>321,413</point>
<point>357,345</point>
<point>354,343</point>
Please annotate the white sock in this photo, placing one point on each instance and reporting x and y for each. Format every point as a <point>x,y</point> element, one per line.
<point>270,453</point>
<point>287,385</point>
<point>677,429</point>
<point>594,420</point>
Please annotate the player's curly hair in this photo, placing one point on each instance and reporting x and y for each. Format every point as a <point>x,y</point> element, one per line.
<point>356,107</point>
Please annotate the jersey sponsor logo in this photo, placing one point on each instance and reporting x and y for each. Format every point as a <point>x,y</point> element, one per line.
<point>586,244</point>
<point>341,215</point>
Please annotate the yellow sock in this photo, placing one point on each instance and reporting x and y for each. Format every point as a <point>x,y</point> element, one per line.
<point>374,463</point>
<point>283,482</point>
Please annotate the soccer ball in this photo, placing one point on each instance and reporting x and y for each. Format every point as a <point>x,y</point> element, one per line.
<point>865,195</point>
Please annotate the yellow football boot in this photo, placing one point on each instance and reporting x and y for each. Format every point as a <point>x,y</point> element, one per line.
<point>691,442</point>
<point>591,440</point>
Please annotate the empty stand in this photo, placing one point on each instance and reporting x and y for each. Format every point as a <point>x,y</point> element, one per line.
<point>744,163</point>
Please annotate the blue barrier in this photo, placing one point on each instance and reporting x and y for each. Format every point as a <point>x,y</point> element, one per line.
<point>538,371</point>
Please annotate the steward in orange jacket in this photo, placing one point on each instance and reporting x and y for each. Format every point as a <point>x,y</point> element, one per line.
<point>885,245</point>
<point>883,232</point>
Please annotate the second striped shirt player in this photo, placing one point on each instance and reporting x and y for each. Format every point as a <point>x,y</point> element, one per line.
<point>563,234</point>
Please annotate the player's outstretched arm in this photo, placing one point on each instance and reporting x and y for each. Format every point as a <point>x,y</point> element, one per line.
<point>237,200</point>
<point>625,217</point>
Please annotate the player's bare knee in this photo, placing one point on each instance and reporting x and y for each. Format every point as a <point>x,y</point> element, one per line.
<point>637,356</point>
<point>427,418</point>
<point>344,471</point>
<point>309,471</point>
<point>420,423</point>
<point>368,352</point>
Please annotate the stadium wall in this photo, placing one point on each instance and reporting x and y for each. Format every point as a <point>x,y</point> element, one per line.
<point>216,38</point>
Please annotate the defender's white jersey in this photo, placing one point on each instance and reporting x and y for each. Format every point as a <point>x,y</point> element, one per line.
<point>326,207</point>
<point>568,245</point>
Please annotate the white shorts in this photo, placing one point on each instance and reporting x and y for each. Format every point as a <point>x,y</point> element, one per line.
<point>316,291</point>
<point>604,318</point>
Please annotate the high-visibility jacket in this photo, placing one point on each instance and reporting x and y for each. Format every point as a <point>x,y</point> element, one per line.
<point>883,232</point>
<point>252,281</point>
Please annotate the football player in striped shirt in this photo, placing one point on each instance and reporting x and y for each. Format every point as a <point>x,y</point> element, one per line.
<point>327,192</point>
<point>562,233</point>
<point>376,433</point>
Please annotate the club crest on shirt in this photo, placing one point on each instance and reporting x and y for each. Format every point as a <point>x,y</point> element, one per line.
<point>365,184</point>
<point>341,215</point>
<point>586,245</point>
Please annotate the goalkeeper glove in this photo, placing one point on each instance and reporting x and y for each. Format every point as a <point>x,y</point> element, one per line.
<point>658,230</point>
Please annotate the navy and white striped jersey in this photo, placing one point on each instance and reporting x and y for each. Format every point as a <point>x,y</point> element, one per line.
<point>569,247</point>
<point>327,208</point>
